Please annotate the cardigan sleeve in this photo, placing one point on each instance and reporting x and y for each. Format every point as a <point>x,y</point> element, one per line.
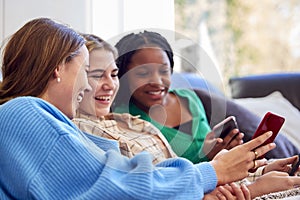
<point>45,156</point>
<point>74,171</point>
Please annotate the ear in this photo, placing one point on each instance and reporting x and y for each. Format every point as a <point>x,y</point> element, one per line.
<point>57,72</point>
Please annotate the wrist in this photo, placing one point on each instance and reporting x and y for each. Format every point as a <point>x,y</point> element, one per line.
<point>219,174</point>
<point>253,191</point>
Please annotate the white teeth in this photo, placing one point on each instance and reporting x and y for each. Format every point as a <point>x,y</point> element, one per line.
<point>155,93</point>
<point>103,98</point>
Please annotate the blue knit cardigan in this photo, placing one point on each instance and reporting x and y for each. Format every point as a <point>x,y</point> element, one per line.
<point>43,155</point>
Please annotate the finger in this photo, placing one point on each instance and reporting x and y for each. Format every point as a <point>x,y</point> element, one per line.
<point>231,135</point>
<point>246,192</point>
<point>237,191</point>
<point>228,187</point>
<point>225,193</point>
<point>264,149</point>
<point>221,196</point>
<point>240,137</point>
<point>210,196</point>
<point>256,164</point>
<point>255,154</point>
<point>289,160</point>
<point>234,143</point>
<point>256,142</point>
<point>286,161</point>
<point>219,140</point>
<point>211,135</point>
<point>261,162</point>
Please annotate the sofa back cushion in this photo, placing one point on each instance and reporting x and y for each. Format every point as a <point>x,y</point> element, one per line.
<point>262,85</point>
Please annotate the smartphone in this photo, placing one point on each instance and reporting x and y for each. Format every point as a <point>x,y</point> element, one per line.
<point>223,128</point>
<point>270,122</point>
<point>295,166</point>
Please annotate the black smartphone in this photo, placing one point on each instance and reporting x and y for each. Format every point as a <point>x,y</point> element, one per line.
<point>270,122</point>
<point>295,166</point>
<point>223,128</point>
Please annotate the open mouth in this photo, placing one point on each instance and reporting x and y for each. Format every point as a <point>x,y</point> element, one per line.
<point>159,92</point>
<point>103,98</point>
<point>156,94</point>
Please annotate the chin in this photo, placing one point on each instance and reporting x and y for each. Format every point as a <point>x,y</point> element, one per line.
<point>71,115</point>
<point>103,112</point>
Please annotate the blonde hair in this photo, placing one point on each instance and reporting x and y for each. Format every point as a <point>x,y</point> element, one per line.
<point>94,42</point>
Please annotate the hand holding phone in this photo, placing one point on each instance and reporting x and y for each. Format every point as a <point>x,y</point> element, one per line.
<point>270,122</point>
<point>223,128</point>
<point>295,166</point>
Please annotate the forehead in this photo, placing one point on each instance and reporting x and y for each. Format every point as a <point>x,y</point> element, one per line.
<point>149,56</point>
<point>100,58</point>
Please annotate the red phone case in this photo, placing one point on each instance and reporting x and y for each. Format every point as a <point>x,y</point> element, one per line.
<point>271,122</point>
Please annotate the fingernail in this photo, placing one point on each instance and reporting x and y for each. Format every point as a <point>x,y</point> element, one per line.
<point>270,133</point>
<point>272,144</point>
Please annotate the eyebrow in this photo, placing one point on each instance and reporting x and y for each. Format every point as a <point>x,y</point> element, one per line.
<point>102,70</point>
<point>97,70</point>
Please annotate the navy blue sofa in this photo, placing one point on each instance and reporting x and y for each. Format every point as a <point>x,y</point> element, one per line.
<point>262,85</point>
<point>218,106</point>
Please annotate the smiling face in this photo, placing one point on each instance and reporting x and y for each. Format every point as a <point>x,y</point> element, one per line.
<point>75,80</point>
<point>149,75</point>
<point>103,78</point>
<point>67,93</point>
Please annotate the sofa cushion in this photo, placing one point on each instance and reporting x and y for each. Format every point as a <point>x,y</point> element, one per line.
<point>276,103</point>
<point>262,85</point>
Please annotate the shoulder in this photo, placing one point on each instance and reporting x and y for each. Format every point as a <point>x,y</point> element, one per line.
<point>29,104</point>
<point>185,93</point>
<point>33,112</point>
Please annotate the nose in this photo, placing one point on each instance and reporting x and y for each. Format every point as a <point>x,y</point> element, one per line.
<point>87,86</point>
<point>108,83</point>
<point>156,79</point>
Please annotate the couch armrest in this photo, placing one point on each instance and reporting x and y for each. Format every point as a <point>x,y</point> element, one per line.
<point>264,84</point>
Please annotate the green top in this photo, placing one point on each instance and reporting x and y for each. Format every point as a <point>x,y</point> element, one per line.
<point>187,145</point>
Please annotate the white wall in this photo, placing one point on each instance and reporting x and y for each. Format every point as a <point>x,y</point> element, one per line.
<point>1,20</point>
<point>107,18</point>
<point>115,17</point>
<point>16,13</point>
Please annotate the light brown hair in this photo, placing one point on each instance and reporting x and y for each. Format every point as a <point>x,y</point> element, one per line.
<point>32,54</point>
